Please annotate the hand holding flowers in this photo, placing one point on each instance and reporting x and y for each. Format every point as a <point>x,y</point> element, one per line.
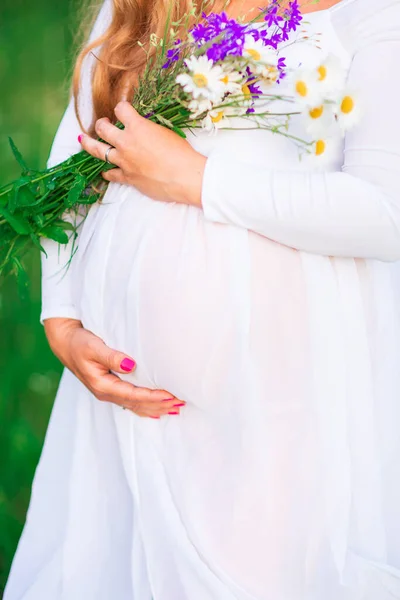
<point>157,161</point>
<point>226,71</point>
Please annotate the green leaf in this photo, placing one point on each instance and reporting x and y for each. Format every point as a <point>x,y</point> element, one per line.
<point>21,195</point>
<point>55,233</point>
<point>17,222</point>
<point>164,121</point>
<point>53,180</point>
<point>65,225</point>
<point>6,198</point>
<point>77,158</point>
<point>76,191</point>
<point>18,155</point>
<point>41,187</point>
<point>179,131</point>
<point>25,196</point>
<point>38,219</point>
<point>36,241</point>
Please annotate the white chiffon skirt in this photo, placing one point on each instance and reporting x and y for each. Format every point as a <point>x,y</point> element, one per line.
<point>280,479</point>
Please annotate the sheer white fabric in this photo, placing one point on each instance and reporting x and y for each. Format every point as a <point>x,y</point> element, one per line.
<point>279,480</point>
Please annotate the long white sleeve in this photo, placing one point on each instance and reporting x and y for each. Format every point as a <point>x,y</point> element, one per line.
<point>57,299</point>
<point>352,213</point>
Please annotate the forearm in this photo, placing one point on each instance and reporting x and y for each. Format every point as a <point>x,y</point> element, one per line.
<point>354,212</point>
<point>333,214</point>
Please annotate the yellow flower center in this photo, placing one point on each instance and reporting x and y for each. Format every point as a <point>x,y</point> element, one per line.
<point>225,80</point>
<point>323,72</point>
<point>271,73</point>
<point>320,147</point>
<point>317,112</point>
<point>200,80</point>
<point>347,105</point>
<point>217,117</point>
<point>255,55</point>
<point>246,90</point>
<point>301,89</point>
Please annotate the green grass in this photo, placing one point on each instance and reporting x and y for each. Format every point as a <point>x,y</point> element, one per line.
<point>36,45</point>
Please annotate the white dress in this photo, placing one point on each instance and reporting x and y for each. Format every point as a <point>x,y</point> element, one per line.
<point>280,480</point>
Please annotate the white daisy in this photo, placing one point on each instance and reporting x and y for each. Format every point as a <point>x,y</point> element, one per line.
<point>270,74</point>
<point>264,59</point>
<point>220,117</point>
<point>232,82</point>
<point>198,106</point>
<point>348,111</point>
<point>245,101</point>
<point>324,153</point>
<point>306,88</point>
<point>319,120</point>
<point>215,119</point>
<point>331,75</point>
<point>204,79</point>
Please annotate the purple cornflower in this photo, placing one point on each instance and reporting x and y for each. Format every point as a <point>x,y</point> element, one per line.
<point>289,21</point>
<point>226,37</point>
<point>172,54</point>
<point>281,68</point>
<point>255,90</point>
<point>293,16</point>
<point>253,87</point>
<point>272,18</point>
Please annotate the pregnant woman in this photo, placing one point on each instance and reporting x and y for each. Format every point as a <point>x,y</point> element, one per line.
<point>257,297</point>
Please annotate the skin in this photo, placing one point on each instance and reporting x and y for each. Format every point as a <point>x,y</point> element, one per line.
<point>88,357</point>
<point>165,168</point>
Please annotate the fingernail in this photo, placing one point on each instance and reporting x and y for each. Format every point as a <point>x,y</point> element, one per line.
<point>168,399</point>
<point>127,364</point>
<point>180,404</point>
<point>154,417</point>
<point>173,412</point>
<point>80,138</point>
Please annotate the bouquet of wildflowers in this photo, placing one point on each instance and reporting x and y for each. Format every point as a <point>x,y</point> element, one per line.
<point>224,70</point>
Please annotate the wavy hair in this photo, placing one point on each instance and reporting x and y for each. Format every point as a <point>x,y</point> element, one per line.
<point>120,59</point>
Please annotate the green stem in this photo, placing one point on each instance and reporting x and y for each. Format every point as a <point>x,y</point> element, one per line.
<point>8,254</point>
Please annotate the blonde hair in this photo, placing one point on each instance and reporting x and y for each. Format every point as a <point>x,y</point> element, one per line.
<point>120,58</point>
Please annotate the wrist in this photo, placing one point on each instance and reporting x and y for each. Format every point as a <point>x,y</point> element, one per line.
<point>58,331</point>
<point>188,189</point>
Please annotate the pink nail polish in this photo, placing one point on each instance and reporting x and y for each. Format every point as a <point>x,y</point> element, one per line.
<point>173,412</point>
<point>80,138</point>
<point>180,404</point>
<point>168,399</point>
<point>127,364</point>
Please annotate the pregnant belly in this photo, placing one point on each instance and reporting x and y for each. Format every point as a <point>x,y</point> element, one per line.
<point>201,306</point>
<point>216,316</point>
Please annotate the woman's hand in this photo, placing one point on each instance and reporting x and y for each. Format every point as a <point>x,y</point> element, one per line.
<point>87,356</point>
<point>155,160</point>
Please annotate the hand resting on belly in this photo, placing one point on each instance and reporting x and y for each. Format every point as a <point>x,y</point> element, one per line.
<point>92,362</point>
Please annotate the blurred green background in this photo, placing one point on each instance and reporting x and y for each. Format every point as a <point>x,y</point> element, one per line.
<point>36,53</point>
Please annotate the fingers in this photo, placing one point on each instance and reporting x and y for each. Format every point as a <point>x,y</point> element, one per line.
<point>126,114</point>
<point>113,360</point>
<point>108,132</point>
<point>142,401</point>
<point>115,175</point>
<point>109,387</point>
<point>99,149</point>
